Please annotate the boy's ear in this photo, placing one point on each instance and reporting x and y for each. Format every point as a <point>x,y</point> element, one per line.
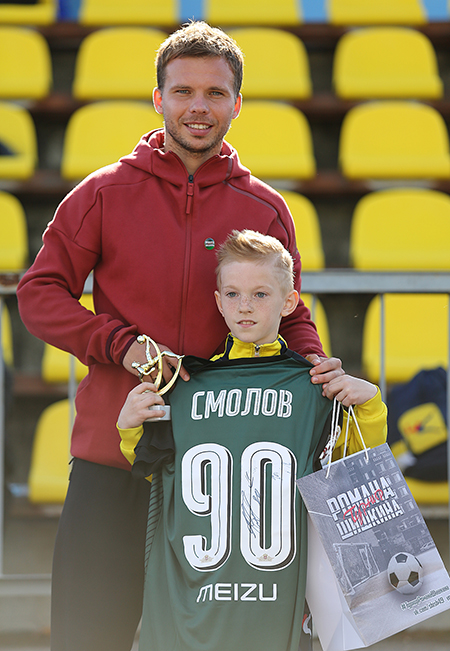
<point>290,303</point>
<point>218,301</point>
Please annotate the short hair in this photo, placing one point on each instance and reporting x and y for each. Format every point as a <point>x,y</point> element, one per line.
<point>248,246</point>
<point>198,39</point>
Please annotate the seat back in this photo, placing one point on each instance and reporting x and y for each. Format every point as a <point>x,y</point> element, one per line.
<point>292,158</point>
<point>307,229</point>
<point>376,12</point>
<point>100,133</point>
<point>117,63</point>
<point>18,134</point>
<point>251,12</point>
<point>401,229</point>
<point>416,335</point>
<point>25,64</point>
<point>43,12</point>
<point>14,239</point>
<point>319,317</point>
<point>276,64</point>
<point>56,363</point>
<point>394,139</point>
<point>131,12</point>
<point>386,62</point>
<point>50,456</point>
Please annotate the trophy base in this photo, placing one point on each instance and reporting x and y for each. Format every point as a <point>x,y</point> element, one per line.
<point>164,409</point>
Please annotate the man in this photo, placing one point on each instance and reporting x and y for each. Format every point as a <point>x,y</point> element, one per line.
<point>148,226</point>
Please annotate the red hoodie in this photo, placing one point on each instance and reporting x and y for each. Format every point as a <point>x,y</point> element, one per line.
<point>141,224</point>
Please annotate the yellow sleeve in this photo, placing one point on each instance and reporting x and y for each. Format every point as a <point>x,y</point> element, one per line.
<point>129,439</point>
<point>372,421</point>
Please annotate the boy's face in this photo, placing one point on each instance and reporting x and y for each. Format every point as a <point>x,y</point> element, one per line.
<point>252,301</point>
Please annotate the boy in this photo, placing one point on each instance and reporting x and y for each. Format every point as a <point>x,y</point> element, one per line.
<point>227,562</point>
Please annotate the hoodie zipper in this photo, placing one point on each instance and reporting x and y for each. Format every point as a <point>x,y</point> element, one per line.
<point>190,193</point>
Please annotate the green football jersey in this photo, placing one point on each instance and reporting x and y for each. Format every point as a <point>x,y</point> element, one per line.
<point>227,562</point>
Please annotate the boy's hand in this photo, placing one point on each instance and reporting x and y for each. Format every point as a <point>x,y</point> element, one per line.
<point>136,408</point>
<point>136,353</point>
<point>350,390</point>
<point>325,369</point>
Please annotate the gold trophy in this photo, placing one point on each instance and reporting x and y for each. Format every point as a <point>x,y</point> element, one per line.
<point>156,364</point>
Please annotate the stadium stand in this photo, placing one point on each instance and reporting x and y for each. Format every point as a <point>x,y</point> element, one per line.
<point>43,12</point>
<point>309,239</point>
<point>252,12</point>
<point>132,12</point>
<point>373,12</point>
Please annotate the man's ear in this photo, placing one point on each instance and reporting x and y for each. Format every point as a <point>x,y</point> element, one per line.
<point>290,303</point>
<point>237,106</point>
<point>218,301</point>
<point>157,100</point>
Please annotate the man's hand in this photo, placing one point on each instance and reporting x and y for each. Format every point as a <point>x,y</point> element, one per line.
<point>325,369</point>
<point>136,353</point>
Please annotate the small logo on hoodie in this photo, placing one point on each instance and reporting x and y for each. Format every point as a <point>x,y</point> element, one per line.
<point>209,243</point>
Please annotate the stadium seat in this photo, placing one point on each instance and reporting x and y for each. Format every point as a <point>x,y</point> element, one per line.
<point>394,139</point>
<point>386,62</point>
<point>319,317</point>
<point>253,12</point>
<point>7,339</point>
<point>18,134</point>
<point>25,64</point>
<point>55,367</point>
<point>132,12</point>
<point>416,335</point>
<point>117,63</point>
<point>43,12</point>
<point>376,12</point>
<point>307,228</point>
<point>100,133</point>
<point>405,229</point>
<point>276,64</point>
<point>292,158</point>
<point>14,239</point>
<point>49,468</point>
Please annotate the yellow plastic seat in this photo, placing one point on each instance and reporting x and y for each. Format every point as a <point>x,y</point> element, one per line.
<point>7,339</point>
<point>14,239</point>
<point>17,133</point>
<point>25,64</point>
<point>319,317</point>
<point>276,64</point>
<point>292,158</point>
<point>132,12</point>
<point>307,229</point>
<point>424,492</point>
<point>386,62</point>
<point>101,133</point>
<point>416,335</point>
<point>253,12</point>
<point>42,13</point>
<point>49,469</point>
<point>373,12</point>
<point>117,63</point>
<point>404,229</point>
<point>394,139</point>
<point>55,367</point>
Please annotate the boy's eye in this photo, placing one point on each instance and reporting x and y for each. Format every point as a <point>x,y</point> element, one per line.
<point>231,294</point>
<point>261,294</point>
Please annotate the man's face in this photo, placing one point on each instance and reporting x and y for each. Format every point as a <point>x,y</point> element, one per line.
<point>198,104</point>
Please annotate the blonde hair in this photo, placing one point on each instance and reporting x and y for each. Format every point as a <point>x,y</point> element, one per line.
<point>251,246</point>
<point>198,39</point>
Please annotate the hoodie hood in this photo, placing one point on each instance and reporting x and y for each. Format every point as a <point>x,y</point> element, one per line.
<point>149,156</point>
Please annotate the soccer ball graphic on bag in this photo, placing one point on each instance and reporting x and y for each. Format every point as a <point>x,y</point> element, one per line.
<point>405,573</point>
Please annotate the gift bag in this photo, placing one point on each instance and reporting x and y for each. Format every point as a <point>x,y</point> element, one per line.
<point>373,568</point>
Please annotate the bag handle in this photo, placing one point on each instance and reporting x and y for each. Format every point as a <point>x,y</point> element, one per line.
<point>336,431</point>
